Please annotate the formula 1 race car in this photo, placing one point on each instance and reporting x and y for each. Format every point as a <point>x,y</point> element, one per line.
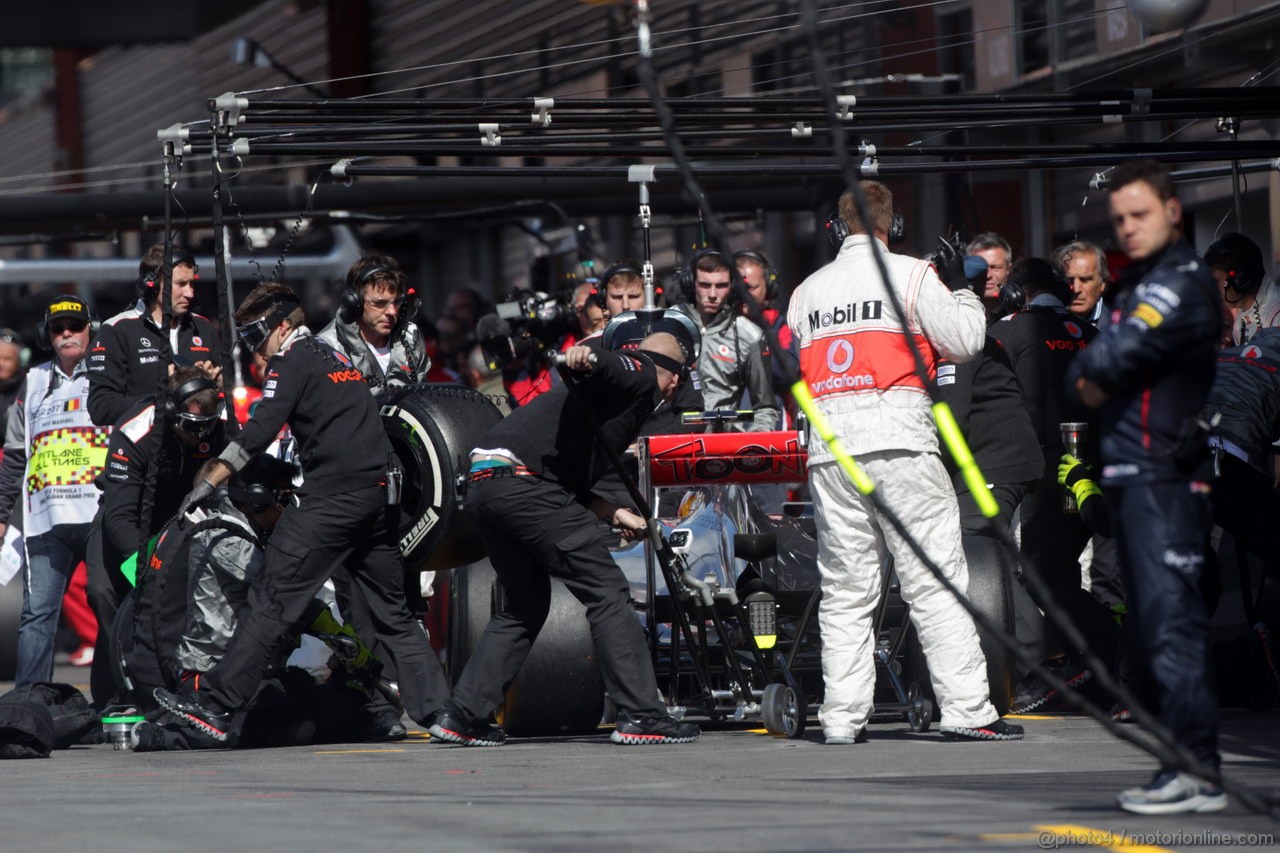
<point>728,600</point>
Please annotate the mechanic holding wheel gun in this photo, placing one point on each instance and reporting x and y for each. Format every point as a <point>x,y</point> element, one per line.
<point>338,519</point>
<point>530,491</point>
<point>853,358</point>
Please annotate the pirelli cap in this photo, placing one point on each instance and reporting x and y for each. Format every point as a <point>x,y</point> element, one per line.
<point>67,306</point>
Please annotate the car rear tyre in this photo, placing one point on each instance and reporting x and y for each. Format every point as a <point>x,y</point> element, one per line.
<point>432,429</point>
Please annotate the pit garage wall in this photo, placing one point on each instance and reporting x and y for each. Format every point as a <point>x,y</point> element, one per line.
<point>1039,211</point>
<point>128,92</point>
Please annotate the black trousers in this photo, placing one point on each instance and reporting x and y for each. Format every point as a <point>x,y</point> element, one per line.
<point>535,530</point>
<point>1163,534</point>
<point>307,546</point>
<point>106,588</point>
<point>1246,504</point>
<point>1051,545</point>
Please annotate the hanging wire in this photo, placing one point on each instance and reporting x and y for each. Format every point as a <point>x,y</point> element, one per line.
<point>278,270</point>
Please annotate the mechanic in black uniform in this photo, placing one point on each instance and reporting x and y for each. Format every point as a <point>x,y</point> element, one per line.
<point>1041,339</point>
<point>166,444</point>
<point>1246,396</point>
<point>133,351</point>
<point>340,519</point>
<point>989,407</point>
<point>530,489</point>
<point>1150,375</point>
<point>625,335</point>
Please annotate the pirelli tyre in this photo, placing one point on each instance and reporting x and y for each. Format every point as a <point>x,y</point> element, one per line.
<point>120,645</point>
<point>432,429</point>
<point>559,690</point>
<point>990,593</point>
<point>989,577</point>
<point>10,616</point>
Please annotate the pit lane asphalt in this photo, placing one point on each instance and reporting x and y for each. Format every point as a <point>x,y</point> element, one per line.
<point>737,789</point>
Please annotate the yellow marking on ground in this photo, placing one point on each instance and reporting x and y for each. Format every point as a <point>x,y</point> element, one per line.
<point>1066,833</point>
<point>351,751</point>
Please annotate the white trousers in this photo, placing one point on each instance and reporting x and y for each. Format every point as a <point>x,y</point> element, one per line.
<point>853,540</point>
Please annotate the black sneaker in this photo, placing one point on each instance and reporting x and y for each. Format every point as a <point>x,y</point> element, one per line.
<point>386,727</point>
<point>635,731</point>
<point>1035,694</point>
<point>1171,792</point>
<point>147,737</point>
<point>452,727</point>
<point>186,708</point>
<point>1266,685</point>
<point>1121,714</point>
<point>999,730</point>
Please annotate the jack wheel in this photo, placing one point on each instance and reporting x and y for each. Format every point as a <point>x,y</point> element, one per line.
<point>783,711</point>
<point>920,717</point>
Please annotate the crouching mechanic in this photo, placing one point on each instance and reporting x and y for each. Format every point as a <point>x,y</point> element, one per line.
<point>340,518</point>
<point>185,611</point>
<point>863,380</point>
<point>530,490</point>
<point>153,456</point>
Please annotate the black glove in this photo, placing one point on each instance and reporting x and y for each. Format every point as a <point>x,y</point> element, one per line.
<point>950,264</point>
<point>195,498</point>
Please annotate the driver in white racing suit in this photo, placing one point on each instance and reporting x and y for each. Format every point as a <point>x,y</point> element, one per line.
<point>860,372</point>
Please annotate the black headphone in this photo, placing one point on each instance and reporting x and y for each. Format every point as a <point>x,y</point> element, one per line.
<point>254,497</point>
<point>351,303</point>
<point>838,229</point>
<point>600,293</point>
<point>171,401</point>
<point>688,275</point>
<point>770,274</point>
<point>1240,259</point>
<point>261,489</point>
<point>42,325</point>
<point>148,284</point>
<point>1012,299</point>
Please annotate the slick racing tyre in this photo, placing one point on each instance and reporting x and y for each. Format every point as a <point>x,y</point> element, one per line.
<point>10,617</point>
<point>990,592</point>
<point>432,429</point>
<point>559,690</point>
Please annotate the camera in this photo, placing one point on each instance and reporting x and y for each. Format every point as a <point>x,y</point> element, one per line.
<point>526,324</point>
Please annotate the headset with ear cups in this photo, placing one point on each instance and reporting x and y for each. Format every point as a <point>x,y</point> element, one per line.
<point>770,274</point>
<point>351,303</point>
<point>1240,260</point>
<point>173,400</point>
<point>147,286</point>
<point>838,229</point>
<point>601,291</point>
<point>689,275</point>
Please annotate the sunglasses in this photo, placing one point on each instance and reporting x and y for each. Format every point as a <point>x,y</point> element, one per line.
<point>385,303</point>
<point>73,326</point>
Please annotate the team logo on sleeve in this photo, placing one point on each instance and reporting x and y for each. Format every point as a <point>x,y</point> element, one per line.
<point>195,339</point>
<point>342,357</point>
<point>1147,313</point>
<point>1251,352</point>
<point>1072,329</point>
